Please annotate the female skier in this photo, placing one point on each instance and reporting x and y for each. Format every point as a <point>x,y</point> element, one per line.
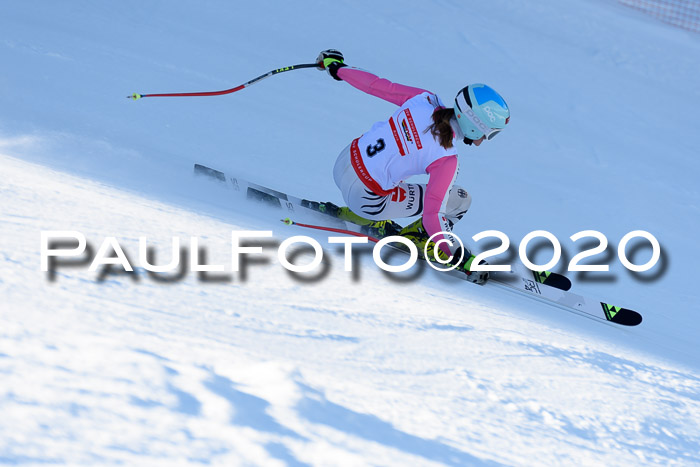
<point>418,138</point>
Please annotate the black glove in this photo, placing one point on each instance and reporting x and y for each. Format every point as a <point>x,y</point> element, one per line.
<point>330,60</point>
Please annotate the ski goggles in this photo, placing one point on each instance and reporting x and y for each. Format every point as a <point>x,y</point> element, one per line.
<point>470,115</point>
<point>493,132</point>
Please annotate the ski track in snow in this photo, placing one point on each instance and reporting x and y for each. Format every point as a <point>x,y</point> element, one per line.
<point>271,369</point>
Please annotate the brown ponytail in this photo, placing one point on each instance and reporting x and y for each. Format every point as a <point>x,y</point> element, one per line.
<point>441,128</point>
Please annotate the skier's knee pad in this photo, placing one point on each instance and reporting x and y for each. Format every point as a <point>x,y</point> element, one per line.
<point>458,204</point>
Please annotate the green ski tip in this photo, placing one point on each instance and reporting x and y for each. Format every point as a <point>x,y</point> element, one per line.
<point>620,315</point>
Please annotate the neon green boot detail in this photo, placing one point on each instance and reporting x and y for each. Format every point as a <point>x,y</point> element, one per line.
<point>417,234</point>
<point>373,228</point>
<point>347,215</point>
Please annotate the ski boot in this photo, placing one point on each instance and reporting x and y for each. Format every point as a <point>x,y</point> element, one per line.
<point>326,208</point>
<point>376,229</point>
<point>478,277</point>
<point>381,229</point>
<point>417,234</point>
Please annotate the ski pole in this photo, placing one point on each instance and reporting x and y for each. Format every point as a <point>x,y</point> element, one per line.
<point>288,221</point>
<point>136,96</point>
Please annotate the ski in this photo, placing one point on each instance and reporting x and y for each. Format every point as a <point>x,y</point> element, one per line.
<point>573,302</point>
<point>292,204</point>
<point>264,195</point>
<point>547,287</point>
<point>551,295</point>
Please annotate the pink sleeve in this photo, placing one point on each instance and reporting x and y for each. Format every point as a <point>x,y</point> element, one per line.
<point>442,175</point>
<point>378,87</point>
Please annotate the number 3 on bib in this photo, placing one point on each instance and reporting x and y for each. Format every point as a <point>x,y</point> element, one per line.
<point>373,150</point>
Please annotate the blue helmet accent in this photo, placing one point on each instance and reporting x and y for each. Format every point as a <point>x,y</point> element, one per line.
<point>480,111</point>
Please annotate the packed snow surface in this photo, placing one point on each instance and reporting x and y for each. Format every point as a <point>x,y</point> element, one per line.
<point>265,367</point>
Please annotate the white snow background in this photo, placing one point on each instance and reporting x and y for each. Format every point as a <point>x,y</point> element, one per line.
<point>346,369</point>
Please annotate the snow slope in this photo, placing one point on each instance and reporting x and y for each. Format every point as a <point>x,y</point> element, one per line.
<point>342,369</point>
